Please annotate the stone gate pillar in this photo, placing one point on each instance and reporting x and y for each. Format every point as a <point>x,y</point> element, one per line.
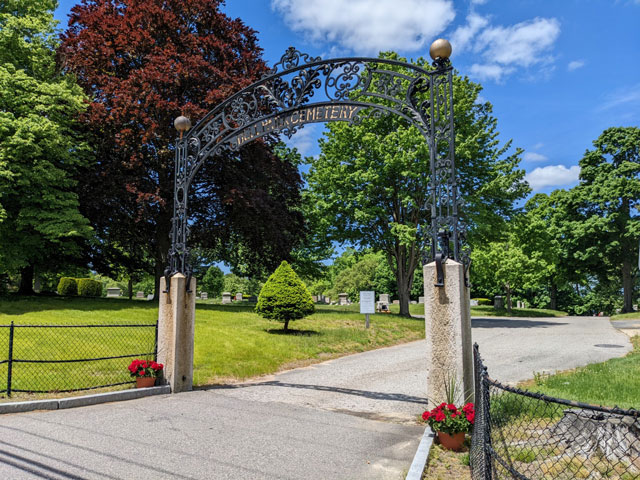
<point>176,325</point>
<point>447,324</point>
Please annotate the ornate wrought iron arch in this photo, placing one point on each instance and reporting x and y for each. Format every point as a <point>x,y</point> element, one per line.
<point>348,89</point>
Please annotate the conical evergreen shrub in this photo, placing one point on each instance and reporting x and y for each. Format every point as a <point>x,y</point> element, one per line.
<point>284,297</point>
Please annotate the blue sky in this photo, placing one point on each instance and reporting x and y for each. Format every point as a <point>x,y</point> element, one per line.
<point>558,72</point>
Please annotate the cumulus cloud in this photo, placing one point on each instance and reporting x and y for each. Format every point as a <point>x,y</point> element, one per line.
<point>574,65</point>
<point>521,45</point>
<point>360,27</point>
<point>534,157</point>
<point>552,176</point>
<point>462,36</point>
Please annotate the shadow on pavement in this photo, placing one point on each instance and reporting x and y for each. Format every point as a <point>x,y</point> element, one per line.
<point>511,323</point>
<point>397,397</point>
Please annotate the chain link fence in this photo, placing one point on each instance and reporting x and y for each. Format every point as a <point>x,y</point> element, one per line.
<point>65,358</point>
<point>530,436</point>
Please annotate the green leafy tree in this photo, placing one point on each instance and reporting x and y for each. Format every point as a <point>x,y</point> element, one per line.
<point>40,151</point>
<point>369,184</point>
<point>607,200</point>
<point>236,284</point>
<point>213,281</point>
<point>284,297</point>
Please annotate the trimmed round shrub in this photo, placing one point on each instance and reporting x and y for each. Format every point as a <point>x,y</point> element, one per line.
<point>88,287</point>
<point>67,287</point>
<point>284,297</point>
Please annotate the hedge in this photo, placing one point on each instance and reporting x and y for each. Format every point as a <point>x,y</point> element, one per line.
<point>88,287</point>
<point>68,287</point>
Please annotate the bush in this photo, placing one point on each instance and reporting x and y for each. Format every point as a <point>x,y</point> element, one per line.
<point>89,288</point>
<point>284,297</point>
<point>67,287</point>
<point>483,301</point>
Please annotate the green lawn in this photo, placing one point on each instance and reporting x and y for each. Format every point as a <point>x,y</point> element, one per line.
<point>615,382</point>
<point>231,342</point>
<point>626,316</point>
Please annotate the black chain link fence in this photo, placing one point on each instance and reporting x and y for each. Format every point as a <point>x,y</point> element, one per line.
<point>65,358</point>
<point>530,436</point>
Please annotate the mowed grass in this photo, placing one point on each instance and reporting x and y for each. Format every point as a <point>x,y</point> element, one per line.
<point>615,382</point>
<point>626,316</point>
<point>231,342</point>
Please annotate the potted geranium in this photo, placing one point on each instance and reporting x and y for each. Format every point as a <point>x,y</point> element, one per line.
<point>145,372</point>
<point>451,423</point>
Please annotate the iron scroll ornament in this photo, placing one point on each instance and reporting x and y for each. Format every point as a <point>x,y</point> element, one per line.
<point>347,89</point>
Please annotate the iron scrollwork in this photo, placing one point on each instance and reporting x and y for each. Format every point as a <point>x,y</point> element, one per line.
<point>346,89</point>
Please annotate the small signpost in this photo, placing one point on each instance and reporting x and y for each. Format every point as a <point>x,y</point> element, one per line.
<point>367,304</point>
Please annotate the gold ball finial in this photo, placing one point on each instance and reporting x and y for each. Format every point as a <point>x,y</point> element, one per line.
<point>440,48</point>
<point>182,124</point>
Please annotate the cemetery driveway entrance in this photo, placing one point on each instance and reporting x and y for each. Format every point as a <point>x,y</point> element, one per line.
<point>348,418</point>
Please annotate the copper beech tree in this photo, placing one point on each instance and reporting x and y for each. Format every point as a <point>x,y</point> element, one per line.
<point>143,63</point>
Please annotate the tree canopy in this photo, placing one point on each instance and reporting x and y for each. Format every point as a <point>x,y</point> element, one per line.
<point>41,150</point>
<point>369,184</point>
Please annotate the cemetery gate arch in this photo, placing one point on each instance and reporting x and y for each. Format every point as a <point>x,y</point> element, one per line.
<point>346,89</point>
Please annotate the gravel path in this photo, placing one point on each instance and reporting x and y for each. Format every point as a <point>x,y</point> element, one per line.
<point>349,418</point>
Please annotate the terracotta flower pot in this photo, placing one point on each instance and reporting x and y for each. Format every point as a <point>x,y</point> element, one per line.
<point>145,382</point>
<point>451,442</point>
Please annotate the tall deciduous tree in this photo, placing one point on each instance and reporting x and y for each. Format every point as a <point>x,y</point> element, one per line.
<point>607,198</point>
<point>39,150</point>
<point>144,62</point>
<point>370,182</point>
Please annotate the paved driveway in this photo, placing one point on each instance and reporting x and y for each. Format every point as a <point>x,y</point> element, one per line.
<point>349,418</point>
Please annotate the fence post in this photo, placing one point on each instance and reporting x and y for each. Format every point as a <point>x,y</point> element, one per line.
<point>486,397</point>
<point>10,364</point>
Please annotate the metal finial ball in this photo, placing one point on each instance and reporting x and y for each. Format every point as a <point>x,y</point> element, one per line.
<point>182,124</point>
<point>441,48</point>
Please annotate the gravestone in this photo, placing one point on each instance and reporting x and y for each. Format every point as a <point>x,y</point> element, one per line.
<point>226,297</point>
<point>342,299</point>
<point>498,302</point>
<point>327,300</point>
<point>150,296</point>
<point>413,302</point>
<point>314,298</point>
<point>113,292</point>
<point>238,297</point>
<point>140,295</point>
<point>519,304</point>
<point>384,298</point>
<point>204,295</point>
<point>396,302</point>
<point>473,303</point>
<point>420,299</point>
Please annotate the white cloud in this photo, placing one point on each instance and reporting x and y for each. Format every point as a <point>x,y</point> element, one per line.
<point>304,139</point>
<point>521,45</point>
<point>534,157</point>
<point>489,72</point>
<point>623,97</point>
<point>552,176</point>
<point>361,27</point>
<point>463,35</point>
<point>574,65</point>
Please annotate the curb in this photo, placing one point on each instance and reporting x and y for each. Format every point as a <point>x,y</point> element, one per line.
<point>421,456</point>
<point>72,402</point>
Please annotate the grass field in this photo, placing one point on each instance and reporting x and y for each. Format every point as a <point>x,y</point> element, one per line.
<point>615,382</point>
<point>231,342</point>
<point>626,316</point>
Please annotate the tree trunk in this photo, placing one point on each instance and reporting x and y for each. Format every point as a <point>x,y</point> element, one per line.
<point>627,286</point>
<point>507,288</point>
<point>26,281</point>
<point>553,293</point>
<point>286,325</point>
<point>130,287</point>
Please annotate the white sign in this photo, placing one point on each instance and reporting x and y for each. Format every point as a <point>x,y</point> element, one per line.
<point>367,302</point>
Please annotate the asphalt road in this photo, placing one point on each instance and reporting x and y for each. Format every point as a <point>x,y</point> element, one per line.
<point>349,418</point>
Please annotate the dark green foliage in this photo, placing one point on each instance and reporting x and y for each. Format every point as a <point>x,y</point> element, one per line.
<point>213,281</point>
<point>89,288</point>
<point>68,287</point>
<point>284,297</point>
